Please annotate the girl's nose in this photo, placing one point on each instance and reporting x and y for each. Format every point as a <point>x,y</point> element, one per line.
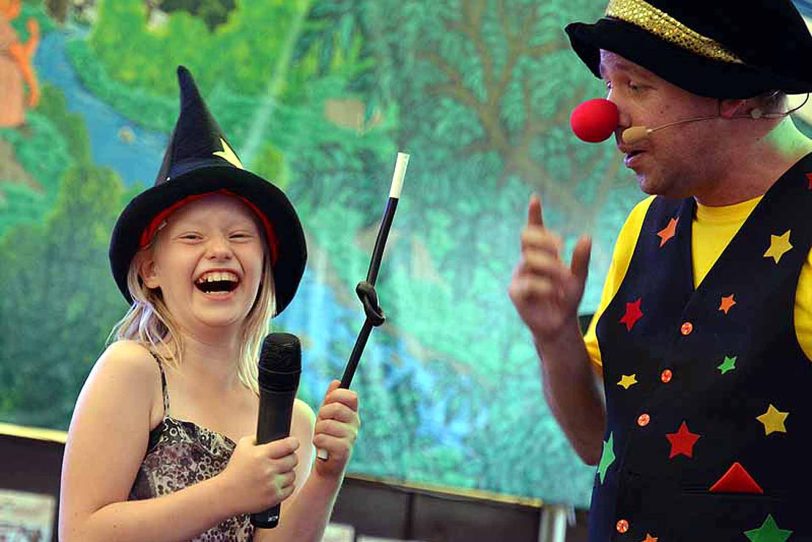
<point>219,248</point>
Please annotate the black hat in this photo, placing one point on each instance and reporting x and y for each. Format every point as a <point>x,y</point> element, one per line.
<point>713,48</point>
<point>199,161</point>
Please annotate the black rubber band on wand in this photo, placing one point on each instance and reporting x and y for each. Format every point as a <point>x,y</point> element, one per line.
<point>366,289</point>
<point>368,296</point>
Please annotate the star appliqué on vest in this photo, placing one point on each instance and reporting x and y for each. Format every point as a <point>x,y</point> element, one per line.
<point>768,532</point>
<point>779,245</point>
<point>727,303</point>
<point>633,314</point>
<point>607,457</point>
<point>728,365</point>
<point>773,420</point>
<point>628,381</point>
<point>682,442</point>
<point>667,233</point>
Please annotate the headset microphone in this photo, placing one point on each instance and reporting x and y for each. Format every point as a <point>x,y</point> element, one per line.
<point>634,134</point>
<point>596,120</point>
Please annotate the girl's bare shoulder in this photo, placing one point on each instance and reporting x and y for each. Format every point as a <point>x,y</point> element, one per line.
<point>128,360</point>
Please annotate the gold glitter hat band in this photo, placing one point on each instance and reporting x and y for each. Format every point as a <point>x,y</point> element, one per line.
<point>752,51</point>
<point>665,27</point>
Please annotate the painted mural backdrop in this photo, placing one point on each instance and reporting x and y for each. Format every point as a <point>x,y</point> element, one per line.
<point>319,95</point>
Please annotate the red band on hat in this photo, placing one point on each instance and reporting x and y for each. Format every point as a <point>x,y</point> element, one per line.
<point>159,219</point>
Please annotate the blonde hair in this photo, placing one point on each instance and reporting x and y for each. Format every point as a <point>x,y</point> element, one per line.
<point>149,322</point>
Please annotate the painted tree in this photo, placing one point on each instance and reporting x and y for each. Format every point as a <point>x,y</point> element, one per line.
<point>57,303</point>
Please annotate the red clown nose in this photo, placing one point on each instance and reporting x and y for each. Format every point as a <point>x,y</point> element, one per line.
<point>595,120</point>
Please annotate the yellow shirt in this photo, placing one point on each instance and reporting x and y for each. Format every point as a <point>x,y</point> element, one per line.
<point>712,230</point>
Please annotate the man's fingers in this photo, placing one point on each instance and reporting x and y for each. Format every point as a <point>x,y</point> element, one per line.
<point>529,288</point>
<point>544,265</point>
<point>540,239</point>
<point>580,258</point>
<point>534,217</point>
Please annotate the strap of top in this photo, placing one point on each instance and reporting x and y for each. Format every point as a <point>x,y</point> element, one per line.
<point>163,384</point>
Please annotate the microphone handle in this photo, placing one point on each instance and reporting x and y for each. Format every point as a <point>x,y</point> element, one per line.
<point>275,412</point>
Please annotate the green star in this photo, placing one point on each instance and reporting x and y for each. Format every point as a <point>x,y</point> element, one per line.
<point>607,457</point>
<point>728,365</point>
<point>768,532</point>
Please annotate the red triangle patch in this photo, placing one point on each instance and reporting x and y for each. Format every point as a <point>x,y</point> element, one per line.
<point>809,176</point>
<point>736,480</point>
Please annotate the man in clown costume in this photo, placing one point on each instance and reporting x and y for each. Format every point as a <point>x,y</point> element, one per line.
<point>703,337</point>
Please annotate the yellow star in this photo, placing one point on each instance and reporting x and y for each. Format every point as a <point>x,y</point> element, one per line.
<point>228,155</point>
<point>773,420</point>
<point>779,245</point>
<point>628,381</point>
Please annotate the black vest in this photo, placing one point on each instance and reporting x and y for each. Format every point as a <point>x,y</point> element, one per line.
<point>708,387</point>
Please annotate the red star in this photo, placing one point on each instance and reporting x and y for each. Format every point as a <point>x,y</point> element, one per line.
<point>633,314</point>
<point>727,303</point>
<point>682,442</point>
<point>809,176</point>
<point>668,232</point>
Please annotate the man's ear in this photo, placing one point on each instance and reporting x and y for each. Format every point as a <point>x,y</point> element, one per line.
<point>148,269</point>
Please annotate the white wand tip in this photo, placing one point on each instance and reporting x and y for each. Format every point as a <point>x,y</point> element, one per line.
<point>398,176</point>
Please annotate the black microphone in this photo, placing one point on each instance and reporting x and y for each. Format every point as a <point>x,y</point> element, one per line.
<point>280,364</point>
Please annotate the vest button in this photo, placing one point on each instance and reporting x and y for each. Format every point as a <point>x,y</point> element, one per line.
<point>686,328</point>
<point>643,420</point>
<point>622,526</point>
<point>666,376</point>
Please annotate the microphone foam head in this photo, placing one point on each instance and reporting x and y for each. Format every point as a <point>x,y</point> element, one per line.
<point>634,134</point>
<point>281,353</point>
<point>595,120</point>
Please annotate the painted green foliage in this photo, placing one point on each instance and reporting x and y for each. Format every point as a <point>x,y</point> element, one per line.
<point>319,95</point>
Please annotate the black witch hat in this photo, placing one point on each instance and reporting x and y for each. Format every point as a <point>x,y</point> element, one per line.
<point>199,161</point>
<point>713,48</point>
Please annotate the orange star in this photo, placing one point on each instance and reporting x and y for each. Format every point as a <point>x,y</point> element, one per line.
<point>727,303</point>
<point>650,538</point>
<point>633,314</point>
<point>668,232</point>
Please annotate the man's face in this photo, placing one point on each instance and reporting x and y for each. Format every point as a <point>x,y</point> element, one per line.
<point>678,161</point>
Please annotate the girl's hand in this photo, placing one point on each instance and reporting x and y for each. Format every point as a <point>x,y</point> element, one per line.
<point>259,477</point>
<point>336,429</point>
